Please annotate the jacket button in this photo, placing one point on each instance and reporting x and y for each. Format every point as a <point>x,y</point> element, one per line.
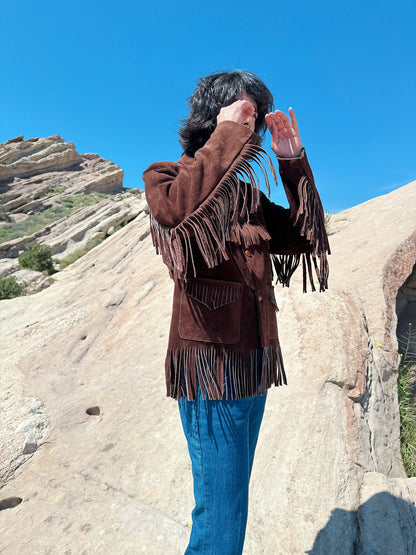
<point>247,252</point>
<point>260,298</point>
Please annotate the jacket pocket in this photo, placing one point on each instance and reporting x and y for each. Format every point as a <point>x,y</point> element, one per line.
<point>210,311</point>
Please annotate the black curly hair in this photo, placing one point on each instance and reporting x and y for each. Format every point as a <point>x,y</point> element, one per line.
<point>212,93</point>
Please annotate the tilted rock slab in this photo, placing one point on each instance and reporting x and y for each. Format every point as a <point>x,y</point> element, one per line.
<point>30,170</point>
<point>69,234</point>
<point>40,173</point>
<point>96,452</point>
<point>20,158</point>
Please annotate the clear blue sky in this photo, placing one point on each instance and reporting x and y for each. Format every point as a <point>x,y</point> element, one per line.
<point>113,78</point>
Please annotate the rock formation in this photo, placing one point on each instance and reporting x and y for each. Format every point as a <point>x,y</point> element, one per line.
<point>41,174</point>
<point>47,163</point>
<point>93,459</point>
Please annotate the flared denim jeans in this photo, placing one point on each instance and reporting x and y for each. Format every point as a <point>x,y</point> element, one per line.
<point>222,437</point>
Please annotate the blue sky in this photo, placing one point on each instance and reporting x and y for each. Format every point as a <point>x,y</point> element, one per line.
<point>113,78</point>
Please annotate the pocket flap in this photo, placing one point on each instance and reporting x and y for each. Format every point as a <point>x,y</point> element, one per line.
<point>213,293</point>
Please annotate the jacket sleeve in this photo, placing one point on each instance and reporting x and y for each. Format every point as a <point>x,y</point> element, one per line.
<point>176,190</point>
<point>299,231</point>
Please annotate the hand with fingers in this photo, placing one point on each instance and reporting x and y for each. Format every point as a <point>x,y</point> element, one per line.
<point>240,111</point>
<point>286,141</point>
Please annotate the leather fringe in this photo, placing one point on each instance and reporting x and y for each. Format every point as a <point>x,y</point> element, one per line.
<point>228,214</point>
<point>209,294</point>
<point>310,222</point>
<point>285,266</point>
<point>223,374</point>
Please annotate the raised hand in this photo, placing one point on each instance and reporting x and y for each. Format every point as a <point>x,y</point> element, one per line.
<point>286,141</point>
<point>240,111</point>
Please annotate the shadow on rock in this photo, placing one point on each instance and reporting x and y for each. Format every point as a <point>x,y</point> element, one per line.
<point>383,525</point>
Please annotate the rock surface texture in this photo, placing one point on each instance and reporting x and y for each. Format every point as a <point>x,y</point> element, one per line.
<point>93,459</point>
<point>45,163</point>
<point>86,192</point>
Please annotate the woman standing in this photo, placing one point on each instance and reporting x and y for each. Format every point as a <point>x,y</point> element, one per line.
<point>220,237</point>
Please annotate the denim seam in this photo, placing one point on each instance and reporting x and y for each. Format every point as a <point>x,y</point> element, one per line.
<point>206,519</point>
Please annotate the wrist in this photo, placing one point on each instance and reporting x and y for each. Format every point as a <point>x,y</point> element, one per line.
<point>291,156</point>
<point>288,156</point>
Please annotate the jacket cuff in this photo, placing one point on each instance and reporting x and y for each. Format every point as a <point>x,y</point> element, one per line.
<point>294,168</point>
<point>230,132</point>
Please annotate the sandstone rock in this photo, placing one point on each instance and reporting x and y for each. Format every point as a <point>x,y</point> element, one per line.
<point>67,235</point>
<point>21,158</point>
<point>327,477</point>
<point>43,173</point>
<point>33,172</point>
<point>387,515</point>
<point>15,140</point>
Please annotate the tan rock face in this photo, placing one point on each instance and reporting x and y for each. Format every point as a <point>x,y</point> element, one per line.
<point>30,171</point>
<point>20,158</point>
<point>46,173</point>
<point>69,234</point>
<point>327,476</point>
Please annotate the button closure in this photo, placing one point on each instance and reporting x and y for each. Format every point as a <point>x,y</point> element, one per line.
<point>260,298</point>
<point>247,252</point>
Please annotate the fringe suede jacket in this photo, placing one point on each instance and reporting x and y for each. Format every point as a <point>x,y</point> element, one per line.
<point>219,237</point>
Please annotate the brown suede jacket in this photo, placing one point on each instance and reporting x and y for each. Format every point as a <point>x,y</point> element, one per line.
<point>219,236</point>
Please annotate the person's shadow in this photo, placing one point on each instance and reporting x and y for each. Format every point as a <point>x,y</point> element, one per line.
<point>383,525</point>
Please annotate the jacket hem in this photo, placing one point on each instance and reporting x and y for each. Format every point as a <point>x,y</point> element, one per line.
<point>221,373</point>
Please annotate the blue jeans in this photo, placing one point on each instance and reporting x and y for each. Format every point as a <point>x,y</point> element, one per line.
<point>222,437</point>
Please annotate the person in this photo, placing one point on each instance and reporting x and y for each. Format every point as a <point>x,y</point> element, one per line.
<point>221,238</point>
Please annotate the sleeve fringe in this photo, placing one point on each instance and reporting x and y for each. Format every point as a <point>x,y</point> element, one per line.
<point>285,266</point>
<point>310,222</point>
